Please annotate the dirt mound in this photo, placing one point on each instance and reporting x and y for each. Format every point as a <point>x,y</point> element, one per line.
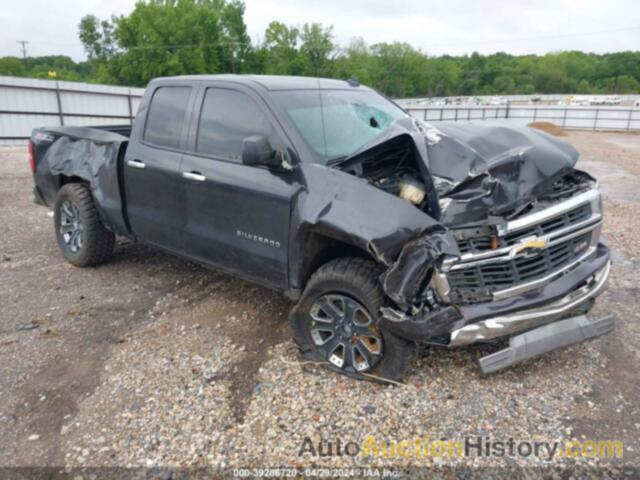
<point>550,128</point>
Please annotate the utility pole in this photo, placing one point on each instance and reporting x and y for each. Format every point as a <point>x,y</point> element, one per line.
<point>24,51</point>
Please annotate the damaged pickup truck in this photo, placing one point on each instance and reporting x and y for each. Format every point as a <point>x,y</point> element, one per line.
<point>385,230</point>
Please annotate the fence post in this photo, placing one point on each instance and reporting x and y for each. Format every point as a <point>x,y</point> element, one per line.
<point>595,119</point>
<point>424,117</point>
<point>441,112</point>
<point>455,109</point>
<point>506,113</point>
<point>629,119</point>
<point>58,99</point>
<point>483,112</point>
<point>564,118</point>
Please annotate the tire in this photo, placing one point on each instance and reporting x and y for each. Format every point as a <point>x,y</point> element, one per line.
<point>346,282</point>
<point>81,236</point>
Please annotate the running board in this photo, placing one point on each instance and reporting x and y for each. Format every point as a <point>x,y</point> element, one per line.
<point>545,339</point>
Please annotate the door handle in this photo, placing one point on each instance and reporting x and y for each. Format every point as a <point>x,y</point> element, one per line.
<point>136,163</point>
<point>197,176</point>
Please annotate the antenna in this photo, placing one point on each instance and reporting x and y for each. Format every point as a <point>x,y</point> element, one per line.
<point>24,50</point>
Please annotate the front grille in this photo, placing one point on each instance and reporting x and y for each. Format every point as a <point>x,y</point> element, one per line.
<point>571,217</point>
<point>476,284</point>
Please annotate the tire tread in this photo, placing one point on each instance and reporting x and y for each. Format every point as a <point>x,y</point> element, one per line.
<point>99,242</point>
<point>362,275</point>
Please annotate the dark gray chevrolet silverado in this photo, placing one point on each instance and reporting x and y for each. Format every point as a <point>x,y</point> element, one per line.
<point>386,230</point>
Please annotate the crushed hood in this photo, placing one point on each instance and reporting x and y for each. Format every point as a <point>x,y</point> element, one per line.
<point>491,170</point>
<point>479,171</point>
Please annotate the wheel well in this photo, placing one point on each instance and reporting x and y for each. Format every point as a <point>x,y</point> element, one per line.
<point>64,179</point>
<point>320,249</point>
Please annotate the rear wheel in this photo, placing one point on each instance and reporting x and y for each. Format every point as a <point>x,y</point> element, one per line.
<point>337,322</point>
<point>81,236</point>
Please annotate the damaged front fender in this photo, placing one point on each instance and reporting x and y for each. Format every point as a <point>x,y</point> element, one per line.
<point>407,277</point>
<point>394,232</point>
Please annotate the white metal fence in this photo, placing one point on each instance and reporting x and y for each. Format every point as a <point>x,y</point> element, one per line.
<point>625,99</point>
<point>27,103</point>
<point>583,118</point>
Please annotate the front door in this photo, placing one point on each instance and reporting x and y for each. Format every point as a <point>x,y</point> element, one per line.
<point>237,215</point>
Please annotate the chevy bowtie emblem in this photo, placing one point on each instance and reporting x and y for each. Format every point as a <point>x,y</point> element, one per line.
<point>530,243</point>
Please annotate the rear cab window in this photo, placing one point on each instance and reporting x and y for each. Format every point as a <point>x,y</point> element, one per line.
<point>166,116</point>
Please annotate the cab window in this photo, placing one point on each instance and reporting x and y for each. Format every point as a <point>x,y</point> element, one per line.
<point>166,116</point>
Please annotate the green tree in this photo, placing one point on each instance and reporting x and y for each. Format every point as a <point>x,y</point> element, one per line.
<point>444,76</point>
<point>281,48</point>
<point>626,84</point>
<point>355,62</point>
<point>239,52</point>
<point>504,84</point>
<point>399,70</point>
<point>96,37</point>
<point>174,37</point>
<point>318,47</point>
<point>471,74</point>
<point>12,66</point>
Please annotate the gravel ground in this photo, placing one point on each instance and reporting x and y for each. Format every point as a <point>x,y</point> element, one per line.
<point>153,361</point>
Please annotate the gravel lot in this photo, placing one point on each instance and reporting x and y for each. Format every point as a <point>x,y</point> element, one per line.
<point>153,361</point>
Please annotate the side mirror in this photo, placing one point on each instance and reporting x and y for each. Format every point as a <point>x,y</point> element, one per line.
<point>256,150</point>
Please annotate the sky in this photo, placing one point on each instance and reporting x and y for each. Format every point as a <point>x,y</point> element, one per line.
<point>451,27</point>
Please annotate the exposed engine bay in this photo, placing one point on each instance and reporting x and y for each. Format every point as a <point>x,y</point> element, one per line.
<point>393,170</point>
<point>397,174</point>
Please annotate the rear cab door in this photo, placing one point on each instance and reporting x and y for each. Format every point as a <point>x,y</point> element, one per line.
<point>237,215</point>
<point>154,190</point>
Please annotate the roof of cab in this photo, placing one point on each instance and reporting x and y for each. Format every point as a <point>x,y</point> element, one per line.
<point>275,82</point>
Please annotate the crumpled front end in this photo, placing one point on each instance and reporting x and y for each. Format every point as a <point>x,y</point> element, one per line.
<point>531,271</point>
<point>549,264</point>
<point>510,240</point>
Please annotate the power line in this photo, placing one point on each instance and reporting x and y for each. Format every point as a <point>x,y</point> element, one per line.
<point>188,45</point>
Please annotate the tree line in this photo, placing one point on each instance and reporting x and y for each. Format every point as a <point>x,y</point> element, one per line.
<point>174,37</point>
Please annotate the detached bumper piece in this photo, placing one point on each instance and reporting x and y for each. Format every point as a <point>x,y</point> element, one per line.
<point>545,339</point>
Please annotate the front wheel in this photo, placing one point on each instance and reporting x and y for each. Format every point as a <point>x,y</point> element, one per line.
<point>336,323</point>
<point>81,236</point>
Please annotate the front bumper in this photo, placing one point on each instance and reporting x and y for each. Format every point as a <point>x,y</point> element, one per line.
<point>509,324</point>
<point>487,321</point>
